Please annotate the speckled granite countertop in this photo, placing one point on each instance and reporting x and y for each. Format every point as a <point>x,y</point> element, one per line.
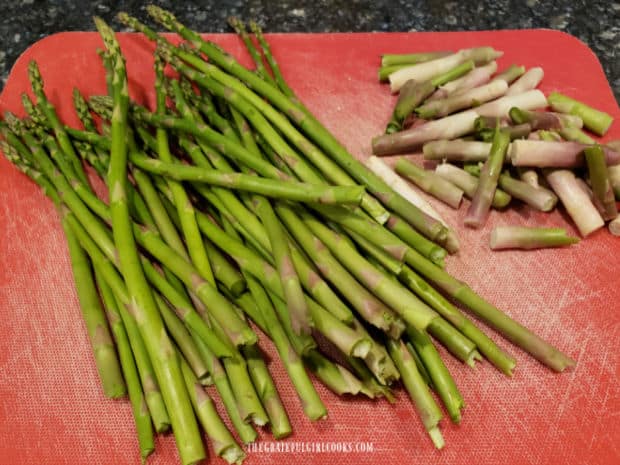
<point>597,23</point>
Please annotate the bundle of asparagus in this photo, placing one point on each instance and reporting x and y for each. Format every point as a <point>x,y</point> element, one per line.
<point>463,114</point>
<point>231,207</point>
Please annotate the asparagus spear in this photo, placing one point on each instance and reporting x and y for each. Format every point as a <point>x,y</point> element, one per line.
<point>391,59</point>
<point>383,170</point>
<point>528,81</point>
<point>418,390</point>
<point>223,442</point>
<point>483,197</point>
<point>476,77</point>
<point>430,183</point>
<point>577,203</point>
<point>519,237</point>
<point>539,198</point>
<point>593,119</point>
<point>604,198</point>
<point>469,183</point>
<point>149,320</point>
<point>311,126</point>
<point>430,69</point>
<point>546,153</point>
<point>462,100</point>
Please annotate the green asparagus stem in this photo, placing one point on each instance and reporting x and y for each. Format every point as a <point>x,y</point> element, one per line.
<point>278,419</point>
<point>426,225</point>
<point>300,316</point>
<point>368,306</point>
<point>224,271</point>
<point>469,183</point>
<point>520,237</point>
<point>289,190</point>
<point>513,331</point>
<point>94,317</point>
<point>483,198</point>
<point>593,119</point>
<point>409,307</point>
<point>427,408</point>
<point>604,198</point>
<point>143,306</point>
<point>183,339</point>
<point>185,209</point>
<point>223,442</point>
<point>139,408</point>
<point>391,59</point>
<point>443,382</point>
<point>311,402</point>
<point>539,198</point>
<point>576,135</point>
<point>489,349</point>
<point>430,183</point>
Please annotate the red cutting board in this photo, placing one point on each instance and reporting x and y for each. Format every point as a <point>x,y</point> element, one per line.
<point>51,407</point>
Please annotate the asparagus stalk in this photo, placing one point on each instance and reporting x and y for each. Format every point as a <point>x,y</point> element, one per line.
<point>545,153</point>
<point>224,444</point>
<point>185,209</point>
<point>519,237</point>
<point>384,71</point>
<point>511,73</point>
<point>614,226</point>
<point>544,119</point>
<point>593,119</point>
<point>302,118</point>
<point>260,69</point>
<point>476,77</point>
<point>273,65</point>
<point>427,408</point>
<point>289,190</point>
<point>94,317</point>
<point>463,100</point>
<point>428,70</point>
<point>456,150</point>
<point>604,198</point>
<point>577,203</point>
<point>489,349</point>
<point>449,127</point>
<point>443,382</point>
<point>278,419</point>
<point>391,59</point>
<point>413,93</point>
<point>430,183</point>
<point>526,82</point>
<point>383,170</point>
<point>530,100</point>
<point>149,320</point>
<point>140,410</point>
<point>336,377</point>
<point>312,405</point>
<point>483,197</point>
<point>539,198</point>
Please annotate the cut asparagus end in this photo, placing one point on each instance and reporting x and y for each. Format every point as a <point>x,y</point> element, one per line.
<point>593,119</point>
<point>436,437</point>
<point>577,204</point>
<point>519,237</point>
